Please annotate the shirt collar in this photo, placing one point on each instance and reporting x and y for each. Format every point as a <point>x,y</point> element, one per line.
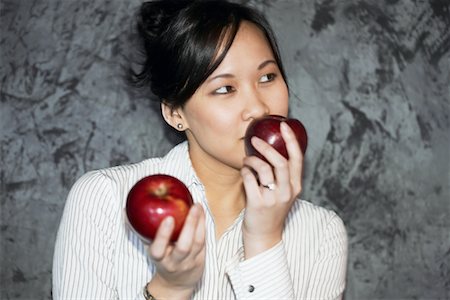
<point>177,163</point>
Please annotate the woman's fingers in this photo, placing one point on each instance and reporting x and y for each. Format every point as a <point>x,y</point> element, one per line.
<point>250,182</point>
<point>262,168</point>
<point>190,242</point>
<point>286,174</point>
<point>186,239</point>
<point>295,156</point>
<point>158,248</point>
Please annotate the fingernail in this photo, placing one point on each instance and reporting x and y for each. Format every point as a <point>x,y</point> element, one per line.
<point>284,126</point>
<point>168,222</point>
<point>194,210</point>
<point>256,140</point>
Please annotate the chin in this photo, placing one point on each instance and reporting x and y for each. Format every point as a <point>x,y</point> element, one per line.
<point>236,162</point>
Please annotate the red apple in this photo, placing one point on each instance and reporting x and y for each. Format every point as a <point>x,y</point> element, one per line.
<point>154,198</point>
<point>267,128</point>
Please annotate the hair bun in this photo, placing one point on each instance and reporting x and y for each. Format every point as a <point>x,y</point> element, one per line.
<point>155,16</point>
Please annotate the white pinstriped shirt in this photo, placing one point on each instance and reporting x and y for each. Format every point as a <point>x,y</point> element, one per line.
<point>98,257</point>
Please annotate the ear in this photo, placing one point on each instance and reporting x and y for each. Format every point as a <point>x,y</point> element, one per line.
<point>173,116</point>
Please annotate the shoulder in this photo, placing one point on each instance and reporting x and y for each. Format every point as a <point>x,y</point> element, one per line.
<point>114,177</point>
<point>314,221</point>
<point>105,187</point>
<point>306,209</point>
<point>113,184</point>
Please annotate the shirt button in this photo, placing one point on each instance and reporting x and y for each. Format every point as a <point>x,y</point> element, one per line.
<point>251,288</point>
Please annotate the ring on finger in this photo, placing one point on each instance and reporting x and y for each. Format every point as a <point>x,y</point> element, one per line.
<point>270,186</point>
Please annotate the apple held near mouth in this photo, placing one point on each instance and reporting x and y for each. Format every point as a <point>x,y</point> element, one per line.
<point>154,198</point>
<point>267,128</point>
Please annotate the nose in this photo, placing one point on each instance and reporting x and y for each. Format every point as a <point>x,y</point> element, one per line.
<point>255,106</point>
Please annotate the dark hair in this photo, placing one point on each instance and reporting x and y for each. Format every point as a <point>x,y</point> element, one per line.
<point>181,40</point>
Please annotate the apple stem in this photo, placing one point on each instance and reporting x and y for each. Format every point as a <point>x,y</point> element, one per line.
<point>161,191</point>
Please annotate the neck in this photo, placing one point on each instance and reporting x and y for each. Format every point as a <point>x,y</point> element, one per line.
<point>223,186</point>
<point>217,178</point>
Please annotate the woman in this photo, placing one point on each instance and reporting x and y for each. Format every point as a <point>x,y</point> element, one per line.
<point>215,67</point>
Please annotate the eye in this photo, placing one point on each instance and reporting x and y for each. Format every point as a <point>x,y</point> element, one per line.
<point>267,77</point>
<point>227,89</point>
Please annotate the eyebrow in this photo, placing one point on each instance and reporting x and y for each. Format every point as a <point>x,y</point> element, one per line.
<point>228,75</point>
<point>269,61</point>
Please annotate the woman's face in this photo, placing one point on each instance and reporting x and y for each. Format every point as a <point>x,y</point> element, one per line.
<point>247,85</point>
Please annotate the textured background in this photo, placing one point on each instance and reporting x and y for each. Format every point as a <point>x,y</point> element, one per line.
<point>370,80</point>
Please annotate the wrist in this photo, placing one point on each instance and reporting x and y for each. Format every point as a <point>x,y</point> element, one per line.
<point>255,244</point>
<point>147,293</point>
<point>160,289</point>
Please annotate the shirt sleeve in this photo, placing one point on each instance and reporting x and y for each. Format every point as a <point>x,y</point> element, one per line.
<point>264,276</point>
<point>83,262</point>
<point>328,277</point>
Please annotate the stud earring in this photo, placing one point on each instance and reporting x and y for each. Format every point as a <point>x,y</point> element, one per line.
<point>180,126</point>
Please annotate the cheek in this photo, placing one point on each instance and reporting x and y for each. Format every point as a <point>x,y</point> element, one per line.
<point>211,121</point>
<point>221,122</point>
<point>279,101</point>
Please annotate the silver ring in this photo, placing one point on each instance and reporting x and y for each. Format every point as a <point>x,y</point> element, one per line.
<point>270,186</point>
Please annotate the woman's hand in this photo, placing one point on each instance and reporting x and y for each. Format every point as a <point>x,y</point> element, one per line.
<point>179,266</point>
<point>266,209</point>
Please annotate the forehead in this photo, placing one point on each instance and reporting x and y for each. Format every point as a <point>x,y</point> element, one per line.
<point>249,46</point>
<point>248,30</point>
<point>248,40</point>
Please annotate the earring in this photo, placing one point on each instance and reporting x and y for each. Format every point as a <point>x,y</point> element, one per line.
<point>180,126</point>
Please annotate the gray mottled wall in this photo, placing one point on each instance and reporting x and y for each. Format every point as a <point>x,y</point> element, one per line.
<point>370,80</point>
